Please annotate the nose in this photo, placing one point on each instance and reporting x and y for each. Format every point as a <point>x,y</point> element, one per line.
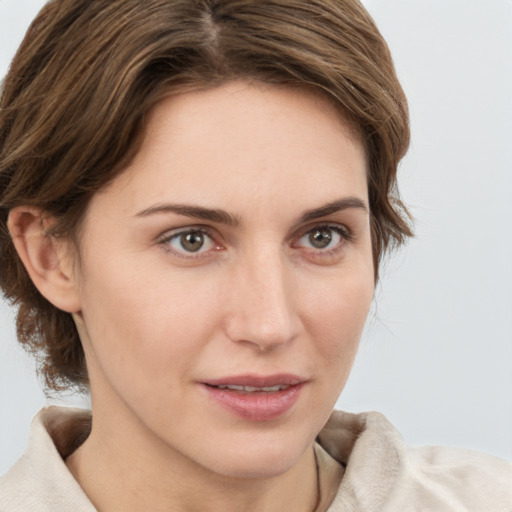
<point>262,308</point>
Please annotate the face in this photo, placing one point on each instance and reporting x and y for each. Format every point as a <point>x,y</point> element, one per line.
<point>225,277</point>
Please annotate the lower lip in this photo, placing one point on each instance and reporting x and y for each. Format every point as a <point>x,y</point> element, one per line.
<point>256,406</point>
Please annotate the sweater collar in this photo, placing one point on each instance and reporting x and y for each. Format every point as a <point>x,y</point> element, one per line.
<point>370,449</point>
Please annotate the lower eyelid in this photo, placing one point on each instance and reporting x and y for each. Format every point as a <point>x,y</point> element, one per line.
<point>165,239</point>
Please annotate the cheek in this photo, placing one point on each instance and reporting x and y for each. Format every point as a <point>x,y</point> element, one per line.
<point>140,324</point>
<point>337,314</point>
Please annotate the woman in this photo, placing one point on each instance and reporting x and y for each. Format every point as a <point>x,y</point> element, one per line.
<point>195,198</point>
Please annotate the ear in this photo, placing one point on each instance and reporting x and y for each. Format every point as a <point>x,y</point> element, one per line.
<point>47,259</point>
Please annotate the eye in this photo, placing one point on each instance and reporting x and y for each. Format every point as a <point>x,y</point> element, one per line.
<point>323,238</point>
<point>188,242</point>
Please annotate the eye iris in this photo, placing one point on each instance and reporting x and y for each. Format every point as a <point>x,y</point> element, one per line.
<point>193,241</point>
<point>320,238</point>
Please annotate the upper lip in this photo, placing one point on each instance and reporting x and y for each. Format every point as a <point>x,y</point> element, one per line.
<point>257,381</point>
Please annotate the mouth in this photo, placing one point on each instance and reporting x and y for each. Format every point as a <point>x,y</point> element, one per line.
<point>256,398</point>
<point>265,382</point>
<point>252,389</point>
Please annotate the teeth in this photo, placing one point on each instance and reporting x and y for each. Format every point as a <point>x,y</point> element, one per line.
<point>279,387</point>
<point>251,389</point>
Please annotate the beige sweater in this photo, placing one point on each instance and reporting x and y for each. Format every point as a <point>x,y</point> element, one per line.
<point>381,474</point>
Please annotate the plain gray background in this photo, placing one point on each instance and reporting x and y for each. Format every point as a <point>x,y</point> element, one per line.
<point>436,357</point>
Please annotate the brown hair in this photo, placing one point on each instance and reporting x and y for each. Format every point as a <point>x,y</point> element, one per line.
<point>74,101</point>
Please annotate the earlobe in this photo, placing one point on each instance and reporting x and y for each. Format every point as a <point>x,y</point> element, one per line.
<point>46,258</point>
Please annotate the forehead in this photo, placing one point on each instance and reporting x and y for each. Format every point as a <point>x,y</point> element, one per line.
<point>240,110</point>
<point>247,144</point>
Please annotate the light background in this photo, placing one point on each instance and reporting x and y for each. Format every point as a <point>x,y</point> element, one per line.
<point>437,355</point>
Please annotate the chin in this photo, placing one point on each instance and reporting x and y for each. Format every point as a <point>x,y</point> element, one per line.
<point>259,468</point>
<point>255,458</point>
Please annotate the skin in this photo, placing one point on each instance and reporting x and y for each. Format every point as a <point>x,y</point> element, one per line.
<point>259,297</point>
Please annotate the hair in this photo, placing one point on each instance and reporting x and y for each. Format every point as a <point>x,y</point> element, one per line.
<point>74,101</point>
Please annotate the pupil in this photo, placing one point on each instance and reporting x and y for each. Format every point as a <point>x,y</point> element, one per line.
<point>192,242</point>
<point>320,238</point>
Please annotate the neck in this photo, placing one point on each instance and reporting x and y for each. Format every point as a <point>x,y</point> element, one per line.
<point>138,469</point>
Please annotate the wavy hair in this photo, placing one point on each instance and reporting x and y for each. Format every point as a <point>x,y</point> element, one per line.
<point>73,104</point>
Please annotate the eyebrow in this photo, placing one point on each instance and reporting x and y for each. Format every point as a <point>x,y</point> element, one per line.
<point>195,212</point>
<point>334,207</point>
<point>223,217</point>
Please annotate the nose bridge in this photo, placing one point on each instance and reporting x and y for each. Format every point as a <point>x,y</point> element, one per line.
<point>263,311</point>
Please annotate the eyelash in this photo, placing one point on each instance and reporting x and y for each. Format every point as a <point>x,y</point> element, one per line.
<point>164,241</point>
<point>342,231</point>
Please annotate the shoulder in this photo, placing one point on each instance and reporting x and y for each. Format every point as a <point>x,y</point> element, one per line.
<point>460,479</point>
<point>40,480</point>
<point>384,474</point>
